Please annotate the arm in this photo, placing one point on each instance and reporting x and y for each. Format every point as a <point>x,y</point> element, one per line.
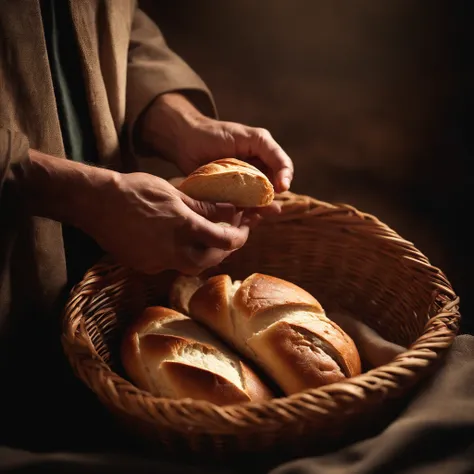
<point>45,186</point>
<point>119,210</point>
<point>170,113</point>
<point>153,70</point>
<point>57,189</point>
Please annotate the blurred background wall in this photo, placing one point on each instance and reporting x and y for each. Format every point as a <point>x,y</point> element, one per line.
<point>372,100</point>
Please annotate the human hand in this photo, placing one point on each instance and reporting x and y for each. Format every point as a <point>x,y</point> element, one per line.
<point>142,220</point>
<point>181,134</point>
<point>148,225</point>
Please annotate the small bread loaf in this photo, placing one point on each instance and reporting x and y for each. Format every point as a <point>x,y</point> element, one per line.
<point>169,355</point>
<point>229,181</point>
<point>277,324</point>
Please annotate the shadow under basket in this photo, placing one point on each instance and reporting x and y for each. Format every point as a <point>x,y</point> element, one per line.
<point>348,260</point>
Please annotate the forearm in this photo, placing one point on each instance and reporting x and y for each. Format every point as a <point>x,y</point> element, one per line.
<point>153,70</point>
<point>162,125</point>
<point>58,189</point>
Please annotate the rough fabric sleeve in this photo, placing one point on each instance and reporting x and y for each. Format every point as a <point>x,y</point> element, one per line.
<point>14,148</point>
<point>154,69</point>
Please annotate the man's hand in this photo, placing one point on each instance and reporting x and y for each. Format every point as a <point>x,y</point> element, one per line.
<point>140,219</point>
<point>147,224</point>
<point>177,131</point>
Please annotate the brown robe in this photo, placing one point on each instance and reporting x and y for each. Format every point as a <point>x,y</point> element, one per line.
<point>42,407</point>
<point>126,64</point>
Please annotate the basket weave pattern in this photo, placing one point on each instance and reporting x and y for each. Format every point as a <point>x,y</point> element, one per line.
<point>348,260</point>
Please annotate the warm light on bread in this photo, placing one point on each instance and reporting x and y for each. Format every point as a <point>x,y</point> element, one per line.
<point>169,355</point>
<point>275,323</point>
<point>229,181</point>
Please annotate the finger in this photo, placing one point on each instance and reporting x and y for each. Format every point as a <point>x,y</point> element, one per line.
<point>259,142</point>
<point>214,212</point>
<point>252,220</point>
<point>195,260</point>
<point>200,230</point>
<point>272,209</point>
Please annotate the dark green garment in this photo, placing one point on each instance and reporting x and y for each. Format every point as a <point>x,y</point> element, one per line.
<point>76,127</point>
<point>69,87</point>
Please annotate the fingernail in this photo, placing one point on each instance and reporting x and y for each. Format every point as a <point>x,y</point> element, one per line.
<point>224,205</point>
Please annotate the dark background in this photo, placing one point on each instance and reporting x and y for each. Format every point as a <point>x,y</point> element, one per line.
<point>372,100</point>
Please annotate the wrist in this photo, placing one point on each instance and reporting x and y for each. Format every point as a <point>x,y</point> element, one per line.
<point>166,123</point>
<point>59,189</point>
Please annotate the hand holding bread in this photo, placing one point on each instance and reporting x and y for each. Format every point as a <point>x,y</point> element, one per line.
<point>218,334</point>
<point>176,130</point>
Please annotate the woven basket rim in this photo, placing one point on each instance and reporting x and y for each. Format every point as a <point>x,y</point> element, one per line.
<point>374,385</point>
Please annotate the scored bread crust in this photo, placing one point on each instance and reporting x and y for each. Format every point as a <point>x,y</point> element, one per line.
<point>277,324</point>
<point>294,360</point>
<point>261,292</point>
<point>169,355</point>
<point>229,180</point>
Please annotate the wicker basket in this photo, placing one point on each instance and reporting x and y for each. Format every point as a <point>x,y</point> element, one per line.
<point>347,259</point>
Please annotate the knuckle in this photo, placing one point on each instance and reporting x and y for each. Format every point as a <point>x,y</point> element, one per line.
<point>228,240</point>
<point>263,134</point>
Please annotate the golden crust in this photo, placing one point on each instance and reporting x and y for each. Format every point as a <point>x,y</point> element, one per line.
<point>210,304</point>
<point>261,292</point>
<point>253,385</point>
<point>167,354</point>
<point>224,165</point>
<point>293,360</point>
<point>255,188</point>
<point>344,345</point>
<point>207,385</point>
<point>202,383</point>
<point>280,326</point>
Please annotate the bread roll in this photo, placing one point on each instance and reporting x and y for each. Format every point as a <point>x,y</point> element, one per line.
<point>231,181</point>
<point>278,325</point>
<point>169,355</point>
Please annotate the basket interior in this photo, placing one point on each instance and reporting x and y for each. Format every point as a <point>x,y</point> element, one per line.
<point>347,266</point>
